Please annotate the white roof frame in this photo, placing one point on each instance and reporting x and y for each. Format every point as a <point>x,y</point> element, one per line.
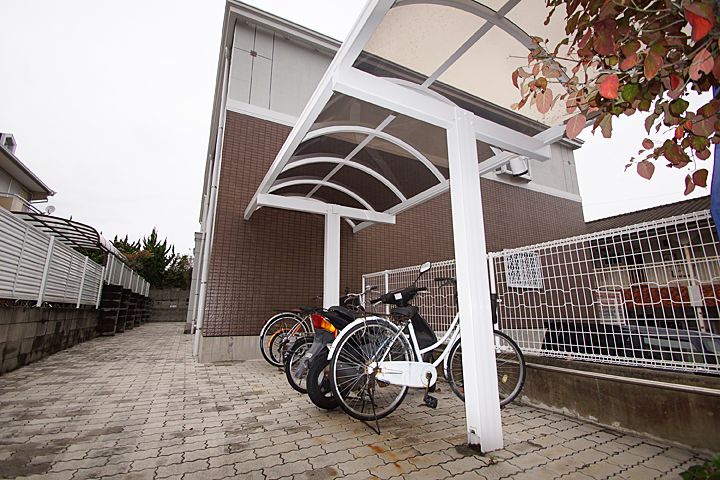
<point>464,129</point>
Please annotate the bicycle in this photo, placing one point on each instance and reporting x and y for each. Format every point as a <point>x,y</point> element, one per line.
<point>304,349</point>
<point>281,329</point>
<point>372,363</point>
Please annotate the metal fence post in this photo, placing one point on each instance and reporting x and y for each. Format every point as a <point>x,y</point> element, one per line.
<point>82,282</point>
<point>100,288</point>
<point>46,270</point>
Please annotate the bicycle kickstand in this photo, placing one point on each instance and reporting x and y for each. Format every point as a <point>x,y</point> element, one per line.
<point>428,399</point>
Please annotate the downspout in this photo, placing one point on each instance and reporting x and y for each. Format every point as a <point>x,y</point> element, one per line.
<point>209,222</point>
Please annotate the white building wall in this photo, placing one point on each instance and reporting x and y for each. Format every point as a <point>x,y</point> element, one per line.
<point>272,72</point>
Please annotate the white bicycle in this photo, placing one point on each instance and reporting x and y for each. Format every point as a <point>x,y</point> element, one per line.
<point>374,361</point>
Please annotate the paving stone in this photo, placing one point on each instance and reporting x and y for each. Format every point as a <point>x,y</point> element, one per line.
<point>430,459</point>
<point>538,473</point>
<point>601,470</point>
<point>625,459</point>
<point>465,464</point>
<point>78,464</point>
<point>357,465</point>
<point>107,470</point>
<point>283,470</point>
<point>154,462</point>
<point>166,417</point>
<point>178,469</point>
<point>565,465</point>
<point>213,474</point>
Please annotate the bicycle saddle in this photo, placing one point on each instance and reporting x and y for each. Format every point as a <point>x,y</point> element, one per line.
<point>344,312</point>
<point>408,311</point>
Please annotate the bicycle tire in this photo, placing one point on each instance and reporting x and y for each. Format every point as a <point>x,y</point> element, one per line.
<point>272,338</point>
<point>358,393</point>
<point>320,390</point>
<point>295,355</point>
<point>510,368</point>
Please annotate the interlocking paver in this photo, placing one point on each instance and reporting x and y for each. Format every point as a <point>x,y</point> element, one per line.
<point>138,406</point>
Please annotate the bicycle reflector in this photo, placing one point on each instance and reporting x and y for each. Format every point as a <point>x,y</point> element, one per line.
<point>321,322</point>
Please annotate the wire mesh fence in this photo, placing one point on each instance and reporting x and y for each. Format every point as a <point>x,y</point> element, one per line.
<point>644,295</point>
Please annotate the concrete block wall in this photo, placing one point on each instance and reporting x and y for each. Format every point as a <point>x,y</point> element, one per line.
<point>168,304</point>
<point>28,334</point>
<point>672,406</point>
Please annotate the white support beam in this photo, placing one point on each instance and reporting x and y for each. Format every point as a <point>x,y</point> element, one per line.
<point>510,140</point>
<point>482,408</point>
<point>547,137</point>
<point>302,204</point>
<point>390,95</point>
<point>331,278</point>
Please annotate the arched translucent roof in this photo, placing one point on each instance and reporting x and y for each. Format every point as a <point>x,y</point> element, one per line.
<point>373,139</point>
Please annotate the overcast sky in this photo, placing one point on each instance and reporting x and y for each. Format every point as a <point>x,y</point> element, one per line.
<point>110,104</point>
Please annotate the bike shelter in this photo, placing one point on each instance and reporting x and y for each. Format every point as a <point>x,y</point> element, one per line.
<point>380,136</point>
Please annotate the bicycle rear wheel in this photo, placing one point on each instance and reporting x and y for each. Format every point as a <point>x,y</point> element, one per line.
<point>294,358</point>
<point>277,333</point>
<point>510,368</point>
<point>352,375</point>
<point>318,384</point>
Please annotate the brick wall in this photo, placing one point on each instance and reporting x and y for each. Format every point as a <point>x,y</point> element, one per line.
<point>274,261</point>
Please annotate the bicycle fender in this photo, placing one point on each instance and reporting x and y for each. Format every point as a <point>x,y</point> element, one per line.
<point>345,330</point>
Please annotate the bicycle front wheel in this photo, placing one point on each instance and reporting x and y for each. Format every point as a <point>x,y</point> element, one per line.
<point>353,368</point>
<point>277,333</point>
<point>510,368</point>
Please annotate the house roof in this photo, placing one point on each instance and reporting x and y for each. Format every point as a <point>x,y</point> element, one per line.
<point>650,214</point>
<point>15,168</point>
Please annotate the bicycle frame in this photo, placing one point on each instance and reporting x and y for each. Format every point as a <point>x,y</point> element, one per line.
<point>452,333</point>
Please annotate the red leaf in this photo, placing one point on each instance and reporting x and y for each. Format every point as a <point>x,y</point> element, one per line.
<point>606,125</point>
<point>705,127</point>
<point>672,153</point>
<point>700,177</point>
<point>689,185</point>
<point>703,62</point>
<point>575,125</point>
<point>583,41</point>
<point>645,169</point>
<point>647,144</point>
<point>653,62</point>
<point>701,18</point>
<point>609,87</point>
<point>544,101</point>
<point>679,132</point>
<point>605,43</point>
<point>675,81</point>
<point>703,155</point>
<point>515,78</point>
<point>629,62</point>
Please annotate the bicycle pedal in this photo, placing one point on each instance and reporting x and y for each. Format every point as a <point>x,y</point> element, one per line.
<point>431,401</point>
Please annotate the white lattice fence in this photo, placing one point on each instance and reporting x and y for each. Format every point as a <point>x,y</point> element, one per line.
<point>644,295</point>
<point>37,267</point>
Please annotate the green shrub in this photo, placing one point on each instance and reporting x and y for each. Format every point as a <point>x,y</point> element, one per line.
<point>709,471</point>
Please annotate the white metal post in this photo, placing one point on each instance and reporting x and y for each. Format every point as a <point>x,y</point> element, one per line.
<point>100,288</point>
<point>331,278</point>
<point>46,270</point>
<point>82,282</point>
<point>482,407</point>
